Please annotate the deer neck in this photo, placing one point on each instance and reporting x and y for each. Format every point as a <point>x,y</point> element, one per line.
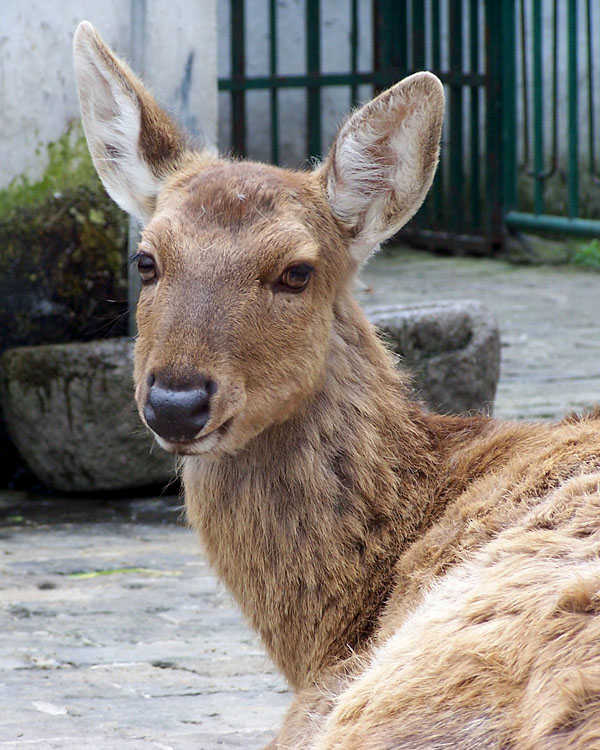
<point>306,524</point>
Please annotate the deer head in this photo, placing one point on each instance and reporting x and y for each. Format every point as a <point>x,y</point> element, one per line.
<point>245,266</point>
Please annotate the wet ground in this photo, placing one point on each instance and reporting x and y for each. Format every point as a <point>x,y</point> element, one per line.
<point>114,635</point>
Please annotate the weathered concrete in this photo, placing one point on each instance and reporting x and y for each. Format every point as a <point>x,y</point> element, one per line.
<point>159,657</point>
<point>60,401</point>
<point>69,410</point>
<point>451,348</point>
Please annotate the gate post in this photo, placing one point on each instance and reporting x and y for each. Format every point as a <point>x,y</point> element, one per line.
<point>500,135</point>
<point>390,49</point>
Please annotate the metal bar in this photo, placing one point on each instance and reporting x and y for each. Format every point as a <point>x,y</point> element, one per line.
<point>525,85</point>
<point>557,224</point>
<point>138,48</point>
<point>418,34</point>
<point>554,159</point>
<point>377,23</point>
<point>399,59</point>
<point>591,110</point>
<point>573,148</point>
<point>354,51</point>
<point>437,191</point>
<point>390,41</point>
<point>456,177</point>
<point>539,173</point>
<point>298,81</point>
<point>436,36</point>
<point>341,79</point>
<point>498,50</point>
<point>418,63</point>
<point>508,109</point>
<point>238,70</point>
<point>273,73</point>
<point>538,110</point>
<point>475,177</point>
<point>313,67</point>
<point>590,96</point>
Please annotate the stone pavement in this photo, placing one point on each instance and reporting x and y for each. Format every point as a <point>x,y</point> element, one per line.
<point>152,653</point>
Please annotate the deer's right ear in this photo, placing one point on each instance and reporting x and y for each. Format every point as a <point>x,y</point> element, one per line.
<point>134,145</point>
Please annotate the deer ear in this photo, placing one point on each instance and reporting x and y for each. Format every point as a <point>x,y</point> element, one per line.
<point>133,143</point>
<point>383,160</point>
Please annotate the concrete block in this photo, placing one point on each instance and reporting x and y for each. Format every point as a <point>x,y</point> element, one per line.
<point>69,409</point>
<point>451,348</point>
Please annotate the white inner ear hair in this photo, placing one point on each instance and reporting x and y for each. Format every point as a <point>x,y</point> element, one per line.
<point>377,181</point>
<point>112,124</point>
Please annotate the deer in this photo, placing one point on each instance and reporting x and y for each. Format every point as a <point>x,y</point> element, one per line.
<point>421,580</point>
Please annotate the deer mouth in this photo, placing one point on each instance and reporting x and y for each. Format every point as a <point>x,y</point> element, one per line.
<point>197,446</point>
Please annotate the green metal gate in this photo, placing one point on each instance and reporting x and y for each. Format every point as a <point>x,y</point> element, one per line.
<point>553,183</point>
<point>501,151</point>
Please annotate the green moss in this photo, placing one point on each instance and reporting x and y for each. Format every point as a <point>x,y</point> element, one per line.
<point>63,267</point>
<point>587,255</point>
<point>63,249</point>
<point>69,167</point>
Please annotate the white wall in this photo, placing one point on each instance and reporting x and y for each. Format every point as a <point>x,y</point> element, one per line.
<point>38,97</point>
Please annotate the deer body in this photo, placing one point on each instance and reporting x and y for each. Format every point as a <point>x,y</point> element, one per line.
<point>422,581</point>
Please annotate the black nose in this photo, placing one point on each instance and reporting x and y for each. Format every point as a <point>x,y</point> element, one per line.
<point>177,415</point>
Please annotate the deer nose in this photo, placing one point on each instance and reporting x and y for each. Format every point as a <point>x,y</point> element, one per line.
<point>177,415</point>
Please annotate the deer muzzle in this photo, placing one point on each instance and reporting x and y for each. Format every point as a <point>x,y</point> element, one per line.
<point>178,415</point>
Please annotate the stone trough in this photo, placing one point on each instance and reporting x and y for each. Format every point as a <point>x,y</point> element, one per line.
<point>452,350</point>
<point>70,411</point>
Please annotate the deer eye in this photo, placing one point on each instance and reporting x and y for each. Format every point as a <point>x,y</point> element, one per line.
<point>294,279</point>
<point>147,268</point>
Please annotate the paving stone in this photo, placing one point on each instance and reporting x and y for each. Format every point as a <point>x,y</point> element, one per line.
<point>151,653</point>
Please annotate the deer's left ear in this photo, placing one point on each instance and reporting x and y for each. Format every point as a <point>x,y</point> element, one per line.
<point>383,160</point>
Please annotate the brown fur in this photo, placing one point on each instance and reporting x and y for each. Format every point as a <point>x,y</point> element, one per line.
<point>422,581</point>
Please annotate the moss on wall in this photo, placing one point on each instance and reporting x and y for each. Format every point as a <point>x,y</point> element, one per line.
<point>63,268</point>
<point>68,166</point>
